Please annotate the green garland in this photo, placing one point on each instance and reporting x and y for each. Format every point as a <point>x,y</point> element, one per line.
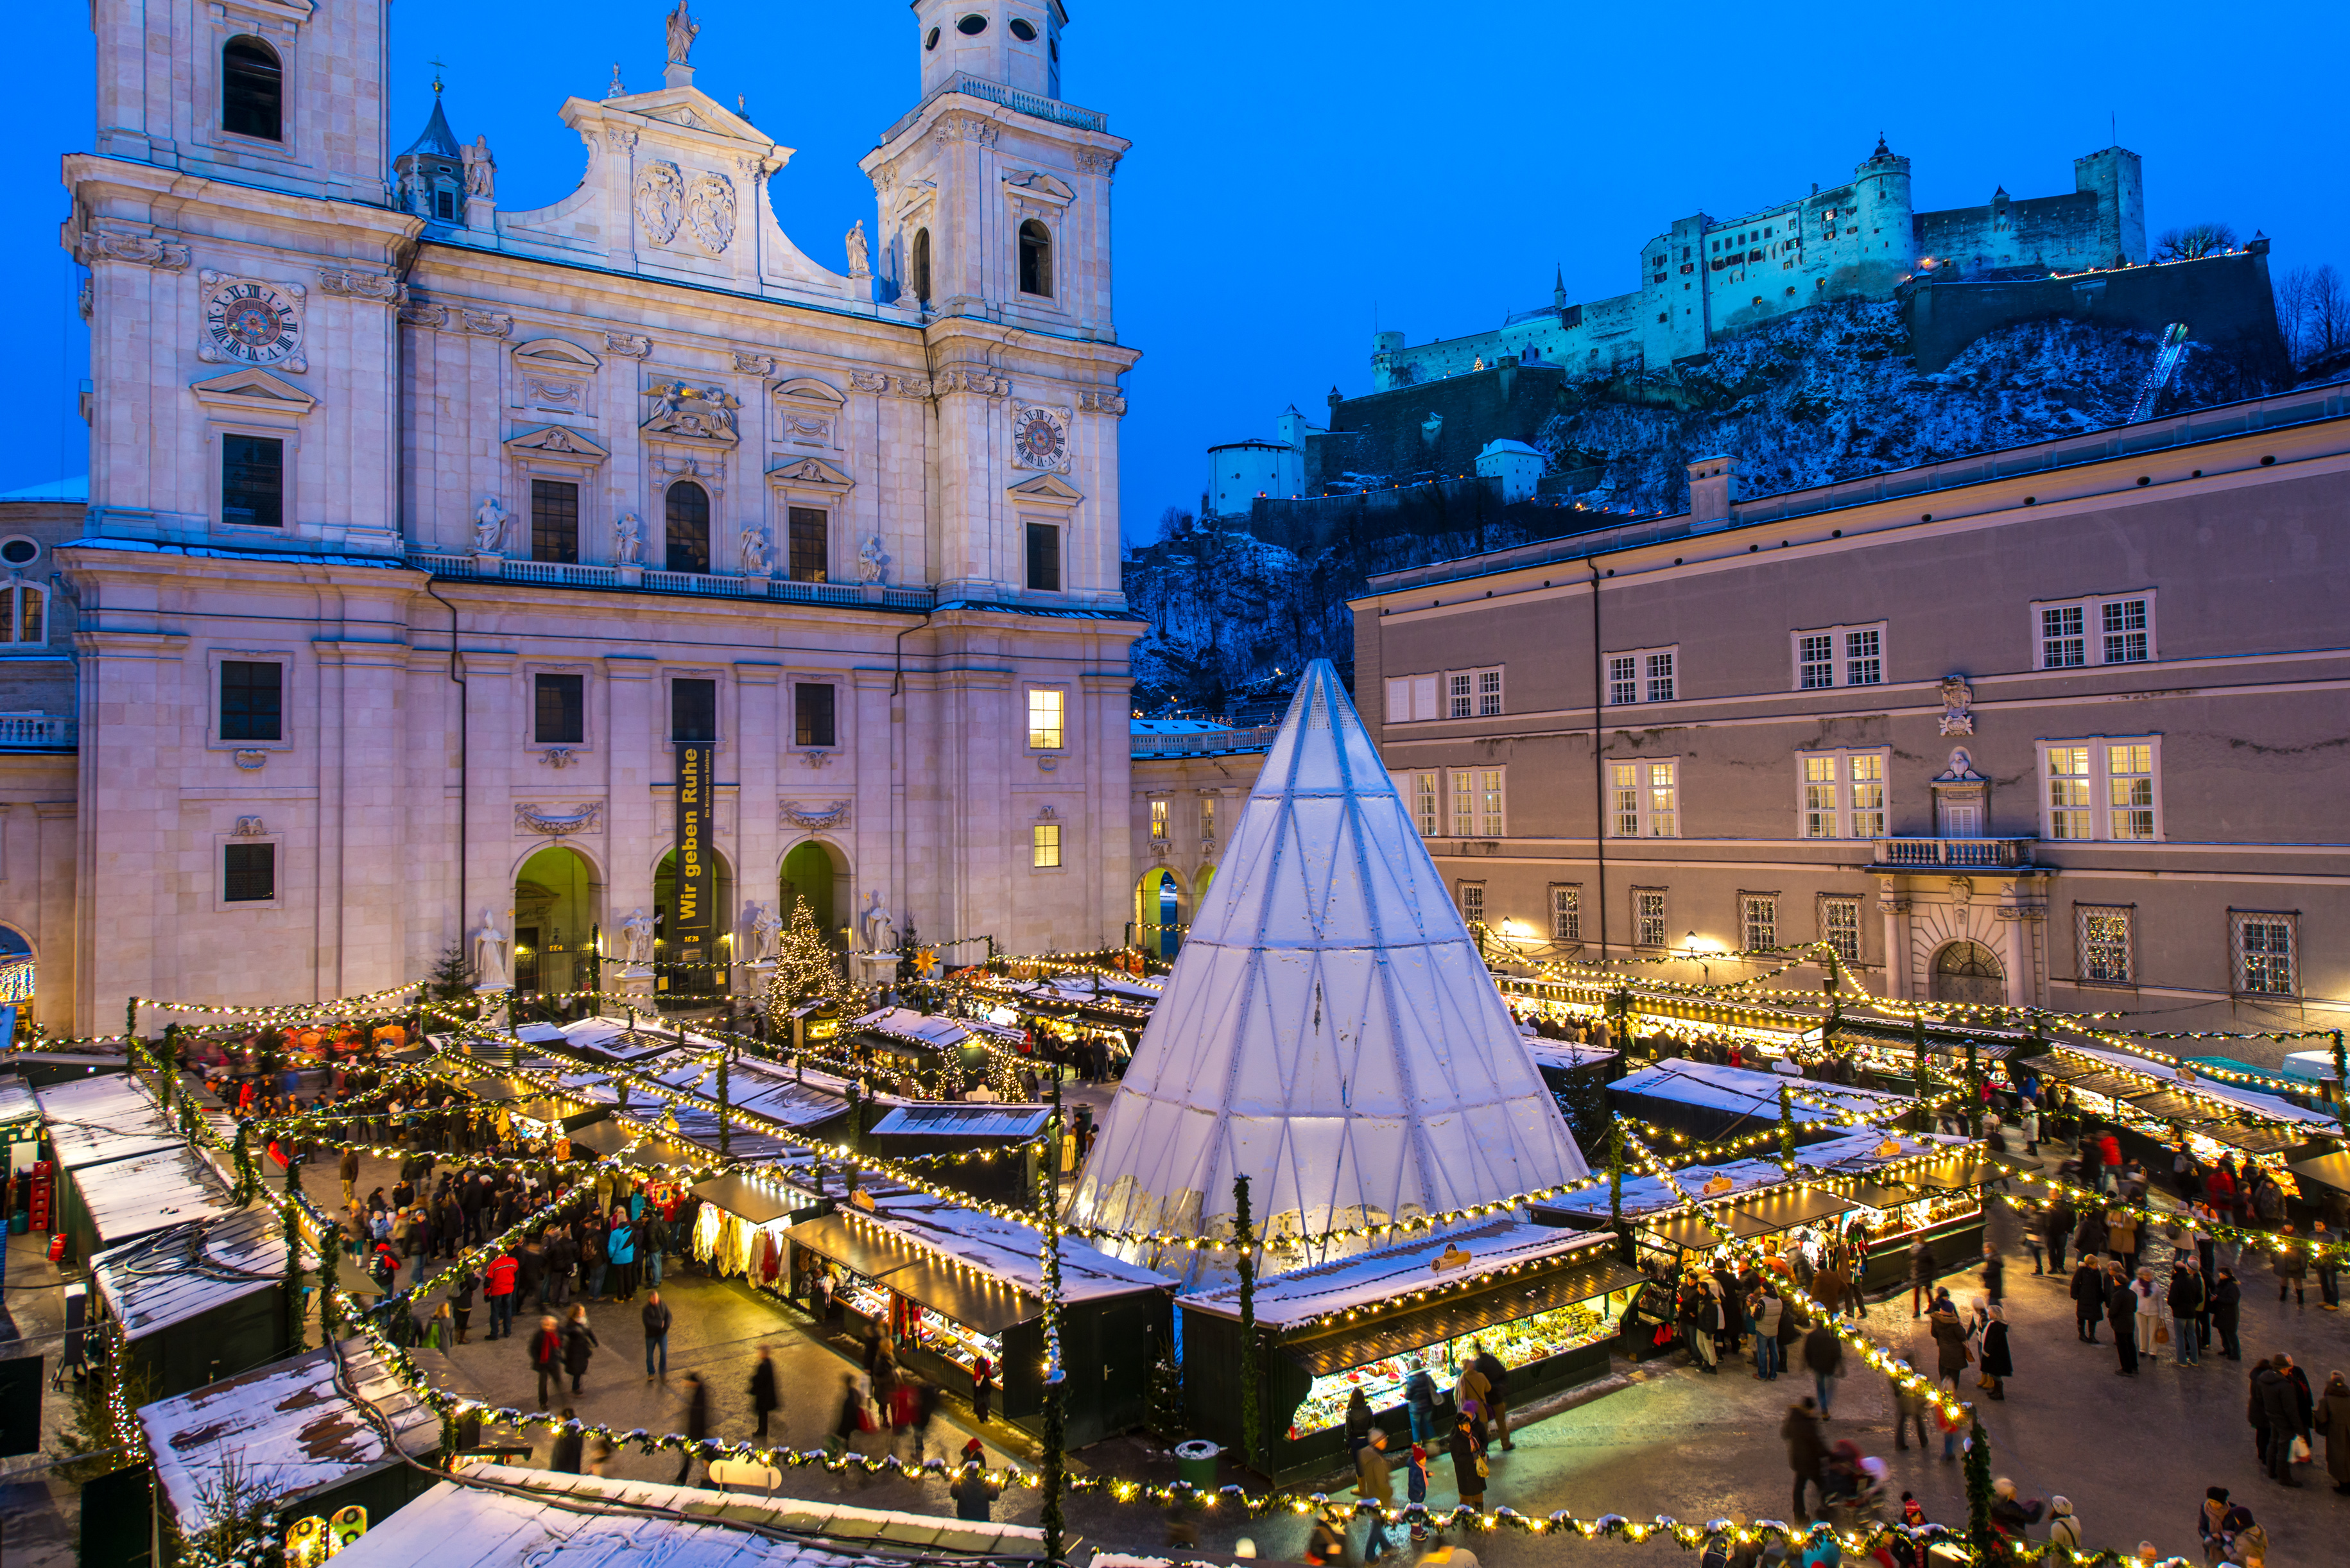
<point>1244,1245</point>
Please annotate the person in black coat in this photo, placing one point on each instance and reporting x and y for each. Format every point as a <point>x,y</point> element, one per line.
<point>1998,1361</point>
<point>764,1398</point>
<point>579,1342</point>
<point>2121,1306</point>
<point>2275,1420</point>
<point>697,1421</point>
<point>2227,1303</point>
<point>2088,1301</point>
<point>569,1446</point>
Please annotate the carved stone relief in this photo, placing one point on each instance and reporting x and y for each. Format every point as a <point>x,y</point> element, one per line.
<point>373,285</point>
<point>698,413</point>
<point>661,201</point>
<point>710,210</point>
<point>634,344</point>
<point>168,255</point>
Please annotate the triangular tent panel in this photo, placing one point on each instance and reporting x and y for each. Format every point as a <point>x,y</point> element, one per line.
<point>1329,1029</point>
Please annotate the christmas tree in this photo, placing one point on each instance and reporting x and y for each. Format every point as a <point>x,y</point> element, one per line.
<point>804,968</point>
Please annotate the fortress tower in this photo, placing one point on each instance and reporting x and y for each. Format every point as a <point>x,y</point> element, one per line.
<point>2112,176</point>
<point>1886,222</point>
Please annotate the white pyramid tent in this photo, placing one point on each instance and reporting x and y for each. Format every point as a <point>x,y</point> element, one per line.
<point>1329,1029</point>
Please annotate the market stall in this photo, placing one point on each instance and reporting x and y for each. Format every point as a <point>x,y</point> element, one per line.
<point>103,1206</point>
<point>20,1128</point>
<point>97,1121</point>
<point>2152,1106</point>
<point>741,1231</point>
<point>201,1300</point>
<point>1547,1301</point>
<point>1577,1076</point>
<point>953,1285</point>
<point>910,1131</point>
<point>1706,1101</point>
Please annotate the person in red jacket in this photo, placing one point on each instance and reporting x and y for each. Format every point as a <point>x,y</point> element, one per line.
<point>546,1358</point>
<point>498,1283</point>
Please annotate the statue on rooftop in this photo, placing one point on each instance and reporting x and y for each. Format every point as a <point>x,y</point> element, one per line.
<point>681,31</point>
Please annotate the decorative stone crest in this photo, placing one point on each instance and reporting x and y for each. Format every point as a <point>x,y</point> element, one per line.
<point>710,210</point>
<point>1957,698</point>
<point>249,827</point>
<point>894,386</point>
<point>558,440</point>
<point>487,323</point>
<point>661,201</point>
<point>587,818</point>
<point>751,364</point>
<point>252,762</point>
<point>351,285</point>
<point>634,344</point>
<point>417,312</point>
<point>970,378</point>
<point>558,757</point>
<point>697,413</point>
<point>1103,400</point>
<point>815,817</point>
<point>145,250</point>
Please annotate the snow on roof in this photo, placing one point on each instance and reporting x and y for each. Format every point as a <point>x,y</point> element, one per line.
<point>1725,1088</point>
<point>1178,726</point>
<point>127,1198</point>
<point>455,1525</point>
<point>963,1120</point>
<point>1329,1028</point>
<point>1565,1052</point>
<point>929,1028</point>
<point>181,1272</point>
<point>93,1121</point>
<point>17,1101</point>
<point>1504,444</point>
<point>1369,1279</point>
<point>2268,1106</point>
<point>1853,1154</point>
<point>288,1425</point>
<point>1007,1249</point>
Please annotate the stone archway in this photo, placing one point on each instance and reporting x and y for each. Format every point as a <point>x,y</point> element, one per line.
<point>16,984</point>
<point>1968,971</point>
<point>817,870</point>
<point>559,913</point>
<point>1160,911</point>
<point>708,976</point>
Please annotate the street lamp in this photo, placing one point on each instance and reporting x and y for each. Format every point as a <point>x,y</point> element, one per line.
<point>1694,950</point>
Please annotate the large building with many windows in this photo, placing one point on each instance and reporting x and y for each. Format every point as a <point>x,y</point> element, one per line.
<point>2060,725</point>
<point>580,583</point>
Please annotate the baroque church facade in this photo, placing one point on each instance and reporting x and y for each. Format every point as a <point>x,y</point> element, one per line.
<point>430,546</point>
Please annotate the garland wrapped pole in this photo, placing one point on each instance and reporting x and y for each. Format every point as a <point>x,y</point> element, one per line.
<point>1615,1191</point>
<point>1979,1531</point>
<point>1918,1044</point>
<point>2341,1087</point>
<point>294,1341</point>
<point>1244,1246</point>
<point>1056,1431</point>
<point>1786,1128</point>
<point>725,1117</point>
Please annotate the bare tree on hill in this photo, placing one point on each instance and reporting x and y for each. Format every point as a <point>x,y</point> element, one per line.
<point>2313,311</point>
<point>2189,241</point>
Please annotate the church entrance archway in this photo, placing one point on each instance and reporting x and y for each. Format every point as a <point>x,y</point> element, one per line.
<point>559,912</point>
<point>676,975</point>
<point>16,985</point>
<point>817,872</point>
<point>1969,972</point>
<point>1159,913</point>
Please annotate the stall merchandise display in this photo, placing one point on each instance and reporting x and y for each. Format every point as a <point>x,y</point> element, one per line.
<point>1516,1344</point>
<point>1928,1212</point>
<point>940,1335</point>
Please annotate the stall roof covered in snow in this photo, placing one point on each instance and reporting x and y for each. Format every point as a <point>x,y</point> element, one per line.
<point>1565,1052</point>
<point>931,1029</point>
<point>291,1428</point>
<point>17,1101</point>
<point>959,1119</point>
<point>186,1270</point>
<point>1725,1088</point>
<point>2268,1107</point>
<point>127,1198</point>
<point>1374,1279</point>
<point>544,1517</point>
<point>1329,1030</point>
<point>1854,1154</point>
<point>96,1120</point>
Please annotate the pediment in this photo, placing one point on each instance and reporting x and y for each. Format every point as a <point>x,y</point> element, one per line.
<point>812,389</point>
<point>812,471</point>
<point>1050,489</point>
<point>554,353</point>
<point>1037,183</point>
<point>559,439</point>
<point>251,388</point>
<point>690,110</point>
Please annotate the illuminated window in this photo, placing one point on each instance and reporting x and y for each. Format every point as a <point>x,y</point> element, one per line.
<point>1644,799</point>
<point>1489,801</point>
<point>2068,792</point>
<point>1820,818</point>
<point>1045,733</point>
<point>1566,914</point>
<point>24,613</point>
<point>1464,802</point>
<point>1159,821</point>
<point>1207,816</point>
<point>1424,802</point>
<point>1758,920</point>
<point>1649,922</point>
<point>2103,933</point>
<point>2103,789</point>
<point>1044,844</point>
<point>1867,777</point>
<point>2266,952</point>
<point>1663,800</point>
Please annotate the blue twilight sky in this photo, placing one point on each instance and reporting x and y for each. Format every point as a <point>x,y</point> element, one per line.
<point>1301,167</point>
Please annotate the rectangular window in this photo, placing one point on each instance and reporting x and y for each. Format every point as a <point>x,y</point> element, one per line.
<point>1649,924</point>
<point>1489,693</point>
<point>693,712</point>
<point>1834,656</point>
<point>1159,821</point>
<point>1459,704</point>
<point>1472,903</point>
<point>248,873</point>
<point>813,714</point>
<point>1489,802</point>
<point>2102,630</point>
<point>811,543</point>
<point>252,699</point>
<point>1208,816</point>
<point>1045,732</point>
<point>1624,799</point>
<point>25,609</point>
<point>2266,952</point>
<point>1816,660</point>
<point>1664,800</point>
<point>2103,934</point>
<point>1820,804</point>
<point>554,521</point>
<point>1412,698</point>
<point>1044,845</point>
<point>253,481</point>
<point>1840,926</point>
<point>1643,675</point>
<point>1758,920</point>
<point>1867,777</point>
<point>1424,802</point>
<point>1464,803</point>
<point>1864,663</point>
<point>2102,789</point>
<point>1566,914</point>
<point>560,715</point>
<point>1044,556</point>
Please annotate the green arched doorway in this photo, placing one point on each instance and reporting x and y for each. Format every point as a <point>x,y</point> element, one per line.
<point>708,978</point>
<point>1159,913</point>
<point>558,907</point>
<point>811,872</point>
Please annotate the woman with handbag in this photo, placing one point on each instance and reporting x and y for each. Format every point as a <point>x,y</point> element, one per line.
<point>2149,1309</point>
<point>1468,1464</point>
<point>1998,1361</point>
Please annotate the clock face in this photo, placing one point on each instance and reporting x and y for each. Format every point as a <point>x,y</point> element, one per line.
<point>251,323</point>
<point>1039,439</point>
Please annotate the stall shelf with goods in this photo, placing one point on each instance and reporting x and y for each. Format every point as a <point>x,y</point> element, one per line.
<point>741,1230</point>
<point>20,1124</point>
<point>202,1300</point>
<point>1549,1303</point>
<point>298,1429</point>
<point>1706,1101</point>
<point>952,1284</point>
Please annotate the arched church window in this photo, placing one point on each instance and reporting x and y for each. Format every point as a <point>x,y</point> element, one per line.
<point>253,89</point>
<point>972,25</point>
<point>1035,258</point>
<point>921,268</point>
<point>688,533</point>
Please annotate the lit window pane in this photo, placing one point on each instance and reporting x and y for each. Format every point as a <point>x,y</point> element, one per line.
<point>1463,796</point>
<point>1044,720</point>
<point>2068,792</point>
<point>1492,802</point>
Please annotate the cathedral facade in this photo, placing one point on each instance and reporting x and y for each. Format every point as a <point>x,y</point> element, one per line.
<point>519,578</point>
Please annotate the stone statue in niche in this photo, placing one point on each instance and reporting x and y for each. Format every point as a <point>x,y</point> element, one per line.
<point>872,561</point>
<point>860,263</point>
<point>489,527</point>
<point>766,933</point>
<point>682,30</point>
<point>637,938</point>
<point>489,946</point>
<point>880,927</point>
<point>629,539</point>
<point>481,169</point>
<point>1958,701</point>
<point>755,562</point>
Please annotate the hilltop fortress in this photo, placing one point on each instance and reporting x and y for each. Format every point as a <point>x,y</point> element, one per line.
<point>1704,279</point>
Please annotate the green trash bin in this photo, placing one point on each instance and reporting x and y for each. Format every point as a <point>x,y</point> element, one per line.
<point>1195,1462</point>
